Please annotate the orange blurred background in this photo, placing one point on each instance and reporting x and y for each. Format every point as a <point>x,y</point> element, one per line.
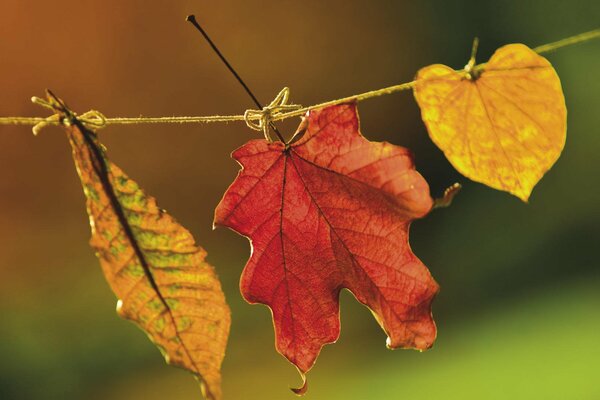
<point>518,312</point>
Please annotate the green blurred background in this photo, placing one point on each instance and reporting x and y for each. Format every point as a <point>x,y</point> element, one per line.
<point>519,310</point>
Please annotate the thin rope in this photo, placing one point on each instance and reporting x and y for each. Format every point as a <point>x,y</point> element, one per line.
<point>173,120</point>
<point>258,120</point>
<point>358,97</point>
<point>582,37</point>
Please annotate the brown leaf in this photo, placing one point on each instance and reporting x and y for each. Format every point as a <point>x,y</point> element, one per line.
<point>152,264</point>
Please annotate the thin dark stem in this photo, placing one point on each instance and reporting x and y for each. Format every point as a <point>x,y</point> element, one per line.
<point>192,19</point>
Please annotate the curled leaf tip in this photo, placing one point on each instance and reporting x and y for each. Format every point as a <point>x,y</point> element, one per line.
<point>301,391</point>
<point>448,197</point>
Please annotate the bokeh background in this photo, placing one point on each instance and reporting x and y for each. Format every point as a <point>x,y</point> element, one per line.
<point>519,310</point>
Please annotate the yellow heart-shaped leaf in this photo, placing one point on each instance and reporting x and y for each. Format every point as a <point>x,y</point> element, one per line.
<point>502,123</point>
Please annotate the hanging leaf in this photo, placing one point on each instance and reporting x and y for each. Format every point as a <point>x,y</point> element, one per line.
<point>502,123</point>
<point>330,211</point>
<point>152,264</point>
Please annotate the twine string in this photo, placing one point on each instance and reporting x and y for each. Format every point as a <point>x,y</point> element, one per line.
<point>258,120</point>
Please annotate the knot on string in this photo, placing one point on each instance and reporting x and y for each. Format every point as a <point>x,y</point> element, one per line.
<point>63,116</point>
<point>259,120</point>
<point>93,119</point>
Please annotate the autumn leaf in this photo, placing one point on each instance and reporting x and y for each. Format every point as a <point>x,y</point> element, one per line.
<point>502,123</point>
<point>330,211</point>
<point>152,264</point>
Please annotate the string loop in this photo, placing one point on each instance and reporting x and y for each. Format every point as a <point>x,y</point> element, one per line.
<point>259,120</point>
<point>92,119</point>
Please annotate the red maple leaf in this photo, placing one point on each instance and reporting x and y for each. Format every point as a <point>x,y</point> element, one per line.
<point>330,211</point>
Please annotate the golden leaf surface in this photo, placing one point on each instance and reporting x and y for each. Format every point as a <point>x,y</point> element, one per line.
<point>503,123</point>
<point>153,265</point>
